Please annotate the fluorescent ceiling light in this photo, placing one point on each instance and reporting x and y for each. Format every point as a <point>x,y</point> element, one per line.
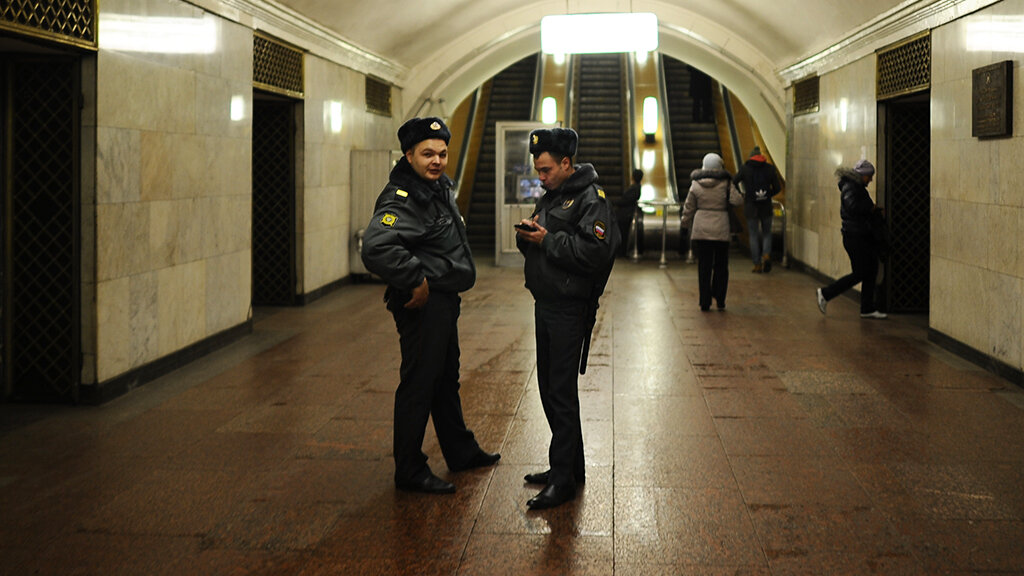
<point>549,110</point>
<point>650,115</point>
<point>158,35</point>
<point>598,33</point>
<point>996,34</point>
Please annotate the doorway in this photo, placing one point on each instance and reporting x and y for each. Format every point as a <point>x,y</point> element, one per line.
<point>39,227</point>
<point>907,202</point>
<point>273,201</point>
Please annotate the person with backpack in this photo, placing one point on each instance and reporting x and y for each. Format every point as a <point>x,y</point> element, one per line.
<point>759,182</point>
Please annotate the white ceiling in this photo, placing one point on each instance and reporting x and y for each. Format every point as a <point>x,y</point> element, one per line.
<point>407,32</point>
<point>439,51</point>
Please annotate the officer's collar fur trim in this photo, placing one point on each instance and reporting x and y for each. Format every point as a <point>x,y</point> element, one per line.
<point>403,176</point>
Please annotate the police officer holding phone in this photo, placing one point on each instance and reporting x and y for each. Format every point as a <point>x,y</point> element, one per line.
<point>416,241</point>
<point>569,243</point>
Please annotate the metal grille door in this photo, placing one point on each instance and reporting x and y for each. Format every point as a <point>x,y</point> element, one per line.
<point>40,204</point>
<point>908,206</point>
<point>273,203</point>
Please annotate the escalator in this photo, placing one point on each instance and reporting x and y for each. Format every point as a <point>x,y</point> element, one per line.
<point>600,119</point>
<point>693,130</point>
<point>511,99</point>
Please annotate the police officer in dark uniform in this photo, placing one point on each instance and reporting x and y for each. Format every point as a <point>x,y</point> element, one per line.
<point>569,243</point>
<point>416,241</point>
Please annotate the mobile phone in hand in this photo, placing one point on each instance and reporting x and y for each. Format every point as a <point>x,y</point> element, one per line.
<point>526,227</point>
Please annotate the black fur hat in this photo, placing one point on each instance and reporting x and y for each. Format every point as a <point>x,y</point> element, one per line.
<point>557,141</point>
<point>417,130</point>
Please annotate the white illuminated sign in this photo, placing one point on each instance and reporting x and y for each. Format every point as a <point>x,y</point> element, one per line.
<point>599,33</point>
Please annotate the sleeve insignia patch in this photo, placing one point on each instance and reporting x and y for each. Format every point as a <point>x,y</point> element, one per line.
<point>389,219</point>
<point>567,204</point>
<point>599,229</point>
<point>600,193</point>
<point>402,193</point>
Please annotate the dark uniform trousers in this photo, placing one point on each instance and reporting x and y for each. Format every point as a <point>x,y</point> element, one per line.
<point>864,261</point>
<point>429,385</point>
<point>560,329</point>
<point>712,271</point>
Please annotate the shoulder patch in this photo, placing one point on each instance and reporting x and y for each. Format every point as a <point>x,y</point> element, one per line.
<point>599,229</point>
<point>389,219</point>
<point>401,193</point>
<point>600,192</point>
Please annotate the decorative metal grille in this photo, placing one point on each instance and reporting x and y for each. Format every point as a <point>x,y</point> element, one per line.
<point>273,204</point>
<point>908,207</point>
<point>905,68</point>
<point>68,21</point>
<point>277,67</point>
<point>42,288</point>
<point>806,96</point>
<point>378,97</point>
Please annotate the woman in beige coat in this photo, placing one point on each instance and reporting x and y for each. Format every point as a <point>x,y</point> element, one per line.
<point>705,214</point>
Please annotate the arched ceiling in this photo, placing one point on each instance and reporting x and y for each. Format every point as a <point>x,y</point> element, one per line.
<point>441,50</point>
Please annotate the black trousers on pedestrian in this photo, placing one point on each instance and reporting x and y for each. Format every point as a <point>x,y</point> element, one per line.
<point>712,271</point>
<point>429,386</point>
<point>560,329</point>
<point>864,262</point>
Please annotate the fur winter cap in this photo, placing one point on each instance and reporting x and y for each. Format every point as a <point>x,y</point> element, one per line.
<point>417,130</point>
<point>557,141</point>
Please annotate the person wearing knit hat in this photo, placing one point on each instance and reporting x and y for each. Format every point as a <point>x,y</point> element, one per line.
<point>705,214</point>
<point>416,242</point>
<point>568,245</point>
<point>758,181</point>
<point>861,217</point>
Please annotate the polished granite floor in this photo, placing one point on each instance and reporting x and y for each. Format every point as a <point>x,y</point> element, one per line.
<point>766,439</point>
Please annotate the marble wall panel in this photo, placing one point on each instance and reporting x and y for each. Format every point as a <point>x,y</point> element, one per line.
<point>113,321</point>
<point>227,290</point>
<point>117,165</point>
<point>122,240</point>
<point>978,192</point>
<point>173,187</point>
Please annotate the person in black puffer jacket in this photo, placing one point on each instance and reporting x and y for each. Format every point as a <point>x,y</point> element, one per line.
<point>857,211</point>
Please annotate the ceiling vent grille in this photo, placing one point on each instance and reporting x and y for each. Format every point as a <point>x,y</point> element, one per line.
<point>277,67</point>
<point>906,67</point>
<point>65,21</point>
<point>806,96</point>
<point>378,97</point>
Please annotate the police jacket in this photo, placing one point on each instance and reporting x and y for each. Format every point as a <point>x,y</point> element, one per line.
<point>416,233</point>
<point>856,207</point>
<point>573,261</point>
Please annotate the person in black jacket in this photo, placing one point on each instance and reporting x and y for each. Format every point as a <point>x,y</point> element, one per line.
<point>569,243</point>
<point>760,183</point>
<point>416,241</point>
<point>857,211</point>
<point>626,211</point>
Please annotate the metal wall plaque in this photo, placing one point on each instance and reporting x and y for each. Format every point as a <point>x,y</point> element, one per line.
<point>992,100</point>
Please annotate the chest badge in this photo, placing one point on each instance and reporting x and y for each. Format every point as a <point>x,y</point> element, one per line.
<point>389,219</point>
<point>568,203</point>
<point>599,229</point>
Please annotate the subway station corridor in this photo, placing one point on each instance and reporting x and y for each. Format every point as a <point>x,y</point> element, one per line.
<point>763,440</point>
